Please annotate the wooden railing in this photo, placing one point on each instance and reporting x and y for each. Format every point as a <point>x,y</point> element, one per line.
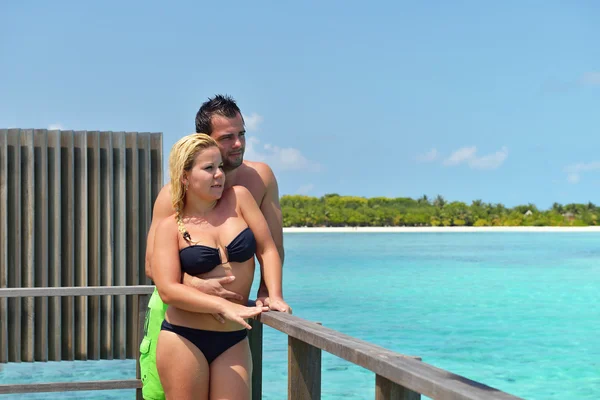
<point>141,295</point>
<point>397,376</point>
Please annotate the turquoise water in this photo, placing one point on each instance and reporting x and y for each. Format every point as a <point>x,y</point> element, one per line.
<point>516,311</point>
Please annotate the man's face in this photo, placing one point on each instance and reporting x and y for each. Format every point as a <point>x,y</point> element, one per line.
<point>231,137</point>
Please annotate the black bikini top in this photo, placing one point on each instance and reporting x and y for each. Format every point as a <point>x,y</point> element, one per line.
<point>198,259</point>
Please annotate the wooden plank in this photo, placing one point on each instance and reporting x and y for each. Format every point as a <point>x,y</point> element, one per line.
<point>3,243</point>
<point>107,243</point>
<point>94,236</point>
<point>70,386</point>
<point>255,339</point>
<point>40,137</point>
<point>81,242</point>
<point>14,242</point>
<point>68,243</point>
<point>120,240</point>
<point>145,202</point>
<point>304,371</point>
<point>54,244</point>
<point>412,374</point>
<point>142,306</point>
<point>76,291</point>
<point>156,144</point>
<point>388,390</point>
<point>133,237</point>
<point>27,243</point>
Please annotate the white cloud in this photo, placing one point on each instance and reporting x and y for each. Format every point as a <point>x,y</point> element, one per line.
<point>490,161</point>
<point>287,158</point>
<point>305,189</point>
<point>461,155</point>
<point>574,171</point>
<point>591,79</point>
<point>55,127</point>
<point>468,155</point>
<point>252,121</point>
<point>430,156</point>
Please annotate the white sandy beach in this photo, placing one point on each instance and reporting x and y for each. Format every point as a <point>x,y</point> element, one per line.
<point>448,229</point>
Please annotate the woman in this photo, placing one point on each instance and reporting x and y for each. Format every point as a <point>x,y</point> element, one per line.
<point>213,233</point>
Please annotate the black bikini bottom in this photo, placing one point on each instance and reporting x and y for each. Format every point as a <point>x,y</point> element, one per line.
<point>211,343</point>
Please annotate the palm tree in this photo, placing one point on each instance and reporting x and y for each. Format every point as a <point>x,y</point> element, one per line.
<point>439,201</point>
<point>423,199</point>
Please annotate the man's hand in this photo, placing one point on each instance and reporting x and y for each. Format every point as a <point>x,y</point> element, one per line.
<point>277,304</point>
<point>214,287</point>
<point>262,297</point>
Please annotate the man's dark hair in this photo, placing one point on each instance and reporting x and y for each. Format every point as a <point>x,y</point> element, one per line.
<point>219,105</point>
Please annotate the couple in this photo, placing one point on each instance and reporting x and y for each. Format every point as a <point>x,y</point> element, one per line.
<point>208,223</point>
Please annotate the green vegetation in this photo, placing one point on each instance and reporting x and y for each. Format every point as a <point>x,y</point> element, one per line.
<point>336,210</point>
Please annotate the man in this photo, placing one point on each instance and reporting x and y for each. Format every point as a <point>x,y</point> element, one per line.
<point>220,118</point>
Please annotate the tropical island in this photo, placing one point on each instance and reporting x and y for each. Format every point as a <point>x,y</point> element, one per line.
<point>333,210</point>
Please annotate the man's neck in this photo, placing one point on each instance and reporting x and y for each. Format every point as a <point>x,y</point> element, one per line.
<point>231,177</point>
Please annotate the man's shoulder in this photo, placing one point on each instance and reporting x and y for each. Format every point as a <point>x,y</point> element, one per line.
<point>261,169</point>
<point>169,222</point>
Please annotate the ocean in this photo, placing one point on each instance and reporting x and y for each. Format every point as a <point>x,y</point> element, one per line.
<point>516,311</point>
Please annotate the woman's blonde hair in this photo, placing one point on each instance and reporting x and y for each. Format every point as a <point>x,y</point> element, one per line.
<point>182,158</point>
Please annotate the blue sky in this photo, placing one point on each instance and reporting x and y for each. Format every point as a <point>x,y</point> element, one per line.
<point>498,101</point>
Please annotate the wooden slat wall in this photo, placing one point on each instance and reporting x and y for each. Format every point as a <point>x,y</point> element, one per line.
<point>75,208</point>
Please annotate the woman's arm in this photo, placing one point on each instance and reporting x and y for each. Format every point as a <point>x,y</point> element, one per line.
<point>266,251</point>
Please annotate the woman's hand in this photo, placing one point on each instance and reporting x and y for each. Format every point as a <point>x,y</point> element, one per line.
<point>238,313</point>
<point>277,304</point>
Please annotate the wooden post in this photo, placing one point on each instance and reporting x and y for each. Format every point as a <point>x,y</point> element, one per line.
<point>304,370</point>
<point>14,252</point>
<point>55,239</point>
<point>107,243</point>
<point>3,243</point>
<point>80,162</point>
<point>388,390</point>
<point>67,213</point>
<point>41,241</point>
<point>255,338</point>
<point>95,216</point>
<point>142,307</point>
<point>27,242</point>
<point>133,238</point>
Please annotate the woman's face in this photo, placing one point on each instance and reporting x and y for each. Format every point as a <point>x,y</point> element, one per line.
<point>206,178</point>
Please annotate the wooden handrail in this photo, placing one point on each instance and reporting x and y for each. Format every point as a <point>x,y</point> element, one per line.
<point>400,369</point>
<point>70,386</point>
<point>76,291</point>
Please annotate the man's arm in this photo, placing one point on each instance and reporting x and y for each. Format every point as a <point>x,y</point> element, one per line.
<point>271,210</point>
<point>162,209</point>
